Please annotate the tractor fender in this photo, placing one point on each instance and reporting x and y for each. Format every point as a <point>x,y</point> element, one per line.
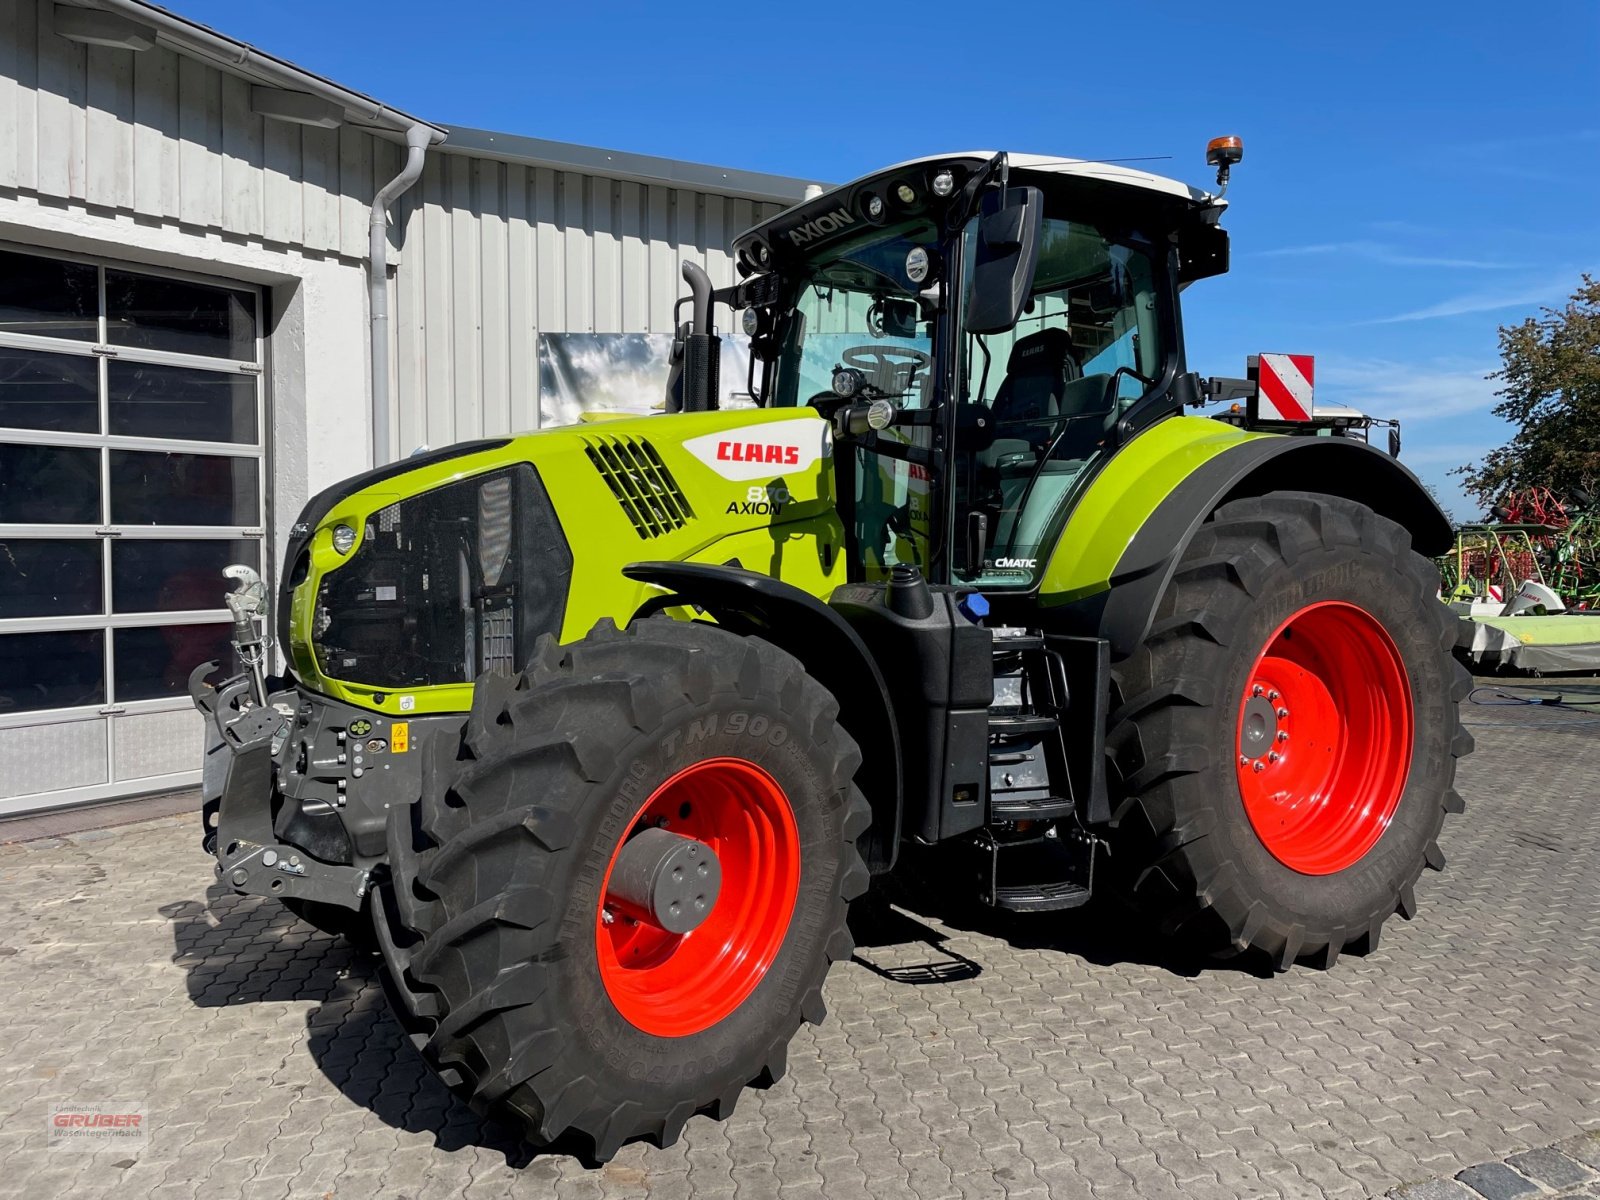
<point>1332,466</point>
<point>833,653</point>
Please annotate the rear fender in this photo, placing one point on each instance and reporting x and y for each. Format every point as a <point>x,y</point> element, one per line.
<point>748,603</point>
<point>1122,609</point>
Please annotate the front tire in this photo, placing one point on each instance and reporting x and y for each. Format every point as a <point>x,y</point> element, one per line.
<point>529,987</point>
<point>1286,737</point>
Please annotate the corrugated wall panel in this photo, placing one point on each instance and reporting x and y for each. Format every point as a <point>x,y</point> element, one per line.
<point>110,128</point>
<point>498,253</point>
<point>60,108</point>
<point>521,302</point>
<point>243,161</point>
<point>162,135</point>
<point>200,136</point>
<point>19,115</point>
<point>155,118</point>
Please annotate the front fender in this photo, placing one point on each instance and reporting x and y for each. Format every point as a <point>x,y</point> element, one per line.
<point>751,604</point>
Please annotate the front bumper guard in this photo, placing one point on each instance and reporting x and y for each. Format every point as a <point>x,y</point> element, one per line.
<point>237,787</point>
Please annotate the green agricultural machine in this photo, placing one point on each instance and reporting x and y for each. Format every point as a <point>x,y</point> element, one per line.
<point>596,733</point>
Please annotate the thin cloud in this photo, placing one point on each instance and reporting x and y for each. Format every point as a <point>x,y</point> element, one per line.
<point>1412,392</point>
<point>1380,252</point>
<point>1484,302</point>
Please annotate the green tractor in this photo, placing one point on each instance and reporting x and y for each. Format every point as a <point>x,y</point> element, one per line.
<point>597,732</point>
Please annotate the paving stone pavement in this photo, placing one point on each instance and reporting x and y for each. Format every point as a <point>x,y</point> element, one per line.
<point>1048,1057</point>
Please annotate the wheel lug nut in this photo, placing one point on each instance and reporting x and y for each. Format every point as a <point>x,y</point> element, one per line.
<point>1272,756</point>
<point>1257,690</point>
<point>1283,714</point>
<point>1258,766</point>
<point>1272,695</point>
<point>1244,760</point>
<point>1283,735</point>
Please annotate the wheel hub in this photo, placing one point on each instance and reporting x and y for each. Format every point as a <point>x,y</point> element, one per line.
<point>1258,729</point>
<point>667,879</point>
<point>698,897</point>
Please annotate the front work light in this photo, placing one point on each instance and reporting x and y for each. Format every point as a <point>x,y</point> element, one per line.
<point>874,207</point>
<point>944,183</point>
<point>344,538</point>
<point>847,381</point>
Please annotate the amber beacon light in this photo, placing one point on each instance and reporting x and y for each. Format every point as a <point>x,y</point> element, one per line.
<point>1222,153</point>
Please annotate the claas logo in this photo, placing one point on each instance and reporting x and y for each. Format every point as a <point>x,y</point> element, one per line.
<point>758,452</point>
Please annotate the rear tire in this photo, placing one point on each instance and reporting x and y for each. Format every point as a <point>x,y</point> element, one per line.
<point>1302,854</point>
<point>505,957</point>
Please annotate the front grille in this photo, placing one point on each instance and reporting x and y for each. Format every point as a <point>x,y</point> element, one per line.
<point>640,481</point>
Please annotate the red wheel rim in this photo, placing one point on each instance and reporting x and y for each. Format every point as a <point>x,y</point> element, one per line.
<point>1324,738</point>
<point>671,984</point>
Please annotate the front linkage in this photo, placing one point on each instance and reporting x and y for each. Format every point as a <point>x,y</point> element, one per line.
<point>296,788</point>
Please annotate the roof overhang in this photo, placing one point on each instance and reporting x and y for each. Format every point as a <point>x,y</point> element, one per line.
<point>149,23</point>
<point>618,164</point>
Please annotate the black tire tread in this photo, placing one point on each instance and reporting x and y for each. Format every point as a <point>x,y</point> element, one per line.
<point>1159,828</point>
<point>544,720</point>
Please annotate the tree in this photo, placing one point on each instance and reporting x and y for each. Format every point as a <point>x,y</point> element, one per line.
<point>1551,393</point>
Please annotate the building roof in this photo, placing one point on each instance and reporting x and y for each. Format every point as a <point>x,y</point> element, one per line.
<point>619,164</point>
<point>151,24</point>
<point>201,42</point>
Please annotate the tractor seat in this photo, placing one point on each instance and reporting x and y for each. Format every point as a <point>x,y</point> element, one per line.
<point>1037,372</point>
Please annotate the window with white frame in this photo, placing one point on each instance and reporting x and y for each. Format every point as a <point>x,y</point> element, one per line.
<point>132,436</point>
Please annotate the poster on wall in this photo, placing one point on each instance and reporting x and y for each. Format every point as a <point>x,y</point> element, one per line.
<point>621,373</point>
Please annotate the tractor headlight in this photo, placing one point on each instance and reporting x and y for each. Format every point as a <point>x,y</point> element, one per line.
<point>944,183</point>
<point>874,207</point>
<point>751,320</point>
<point>880,414</point>
<point>344,538</point>
<point>906,194</point>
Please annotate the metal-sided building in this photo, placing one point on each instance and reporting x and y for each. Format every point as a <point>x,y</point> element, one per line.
<point>219,293</point>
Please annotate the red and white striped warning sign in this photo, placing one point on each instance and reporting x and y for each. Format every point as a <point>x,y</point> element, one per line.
<point>1283,387</point>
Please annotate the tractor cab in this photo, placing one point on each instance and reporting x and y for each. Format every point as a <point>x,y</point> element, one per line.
<point>983,331</point>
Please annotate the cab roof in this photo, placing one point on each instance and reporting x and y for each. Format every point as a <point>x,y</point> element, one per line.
<point>1081,167</point>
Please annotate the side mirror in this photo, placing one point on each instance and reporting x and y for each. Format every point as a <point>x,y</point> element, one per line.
<point>1394,441</point>
<point>1007,253</point>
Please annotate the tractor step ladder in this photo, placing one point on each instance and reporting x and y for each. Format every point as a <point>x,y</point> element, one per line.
<point>1026,751</point>
<point>1033,863</point>
<point>1041,873</point>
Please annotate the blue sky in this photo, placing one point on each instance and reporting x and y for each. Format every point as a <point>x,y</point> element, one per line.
<point>1415,174</point>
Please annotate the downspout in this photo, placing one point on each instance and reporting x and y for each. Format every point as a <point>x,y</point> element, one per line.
<point>417,139</point>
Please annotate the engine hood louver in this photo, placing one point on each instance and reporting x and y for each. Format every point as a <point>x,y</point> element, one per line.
<point>646,490</point>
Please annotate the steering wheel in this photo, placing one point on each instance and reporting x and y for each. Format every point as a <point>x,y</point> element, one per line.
<point>890,369</point>
<point>894,358</point>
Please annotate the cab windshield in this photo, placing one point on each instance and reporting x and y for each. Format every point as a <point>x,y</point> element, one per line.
<point>856,307</point>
